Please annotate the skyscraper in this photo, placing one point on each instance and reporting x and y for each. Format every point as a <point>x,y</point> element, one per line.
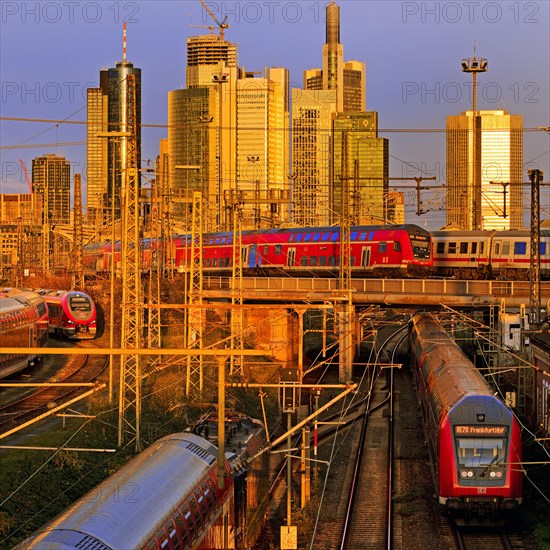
<point>113,107</point>
<point>263,147</point>
<point>332,106</point>
<point>204,55</point>
<point>51,178</point>
<point>500,151</point>
<point>312,114</point>
<point>347,79</point>
<point>365,156</point>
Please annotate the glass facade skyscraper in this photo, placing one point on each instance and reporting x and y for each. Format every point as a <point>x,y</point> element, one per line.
<point>500,150</point>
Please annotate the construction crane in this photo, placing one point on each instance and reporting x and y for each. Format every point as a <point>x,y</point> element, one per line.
<point>26,175</point>
<point>222,26</point>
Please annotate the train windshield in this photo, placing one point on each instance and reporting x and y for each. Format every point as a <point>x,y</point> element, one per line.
<point>474,452</point>
<point>421,246</point>
<point>79,303</point>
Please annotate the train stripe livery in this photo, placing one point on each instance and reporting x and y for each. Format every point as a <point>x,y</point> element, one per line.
<point>474,438</point>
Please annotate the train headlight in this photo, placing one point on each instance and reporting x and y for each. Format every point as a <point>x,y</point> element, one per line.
<point>499,474</point>
<point>492,474</point>
<point>464,473</point>
<point>470,473</point>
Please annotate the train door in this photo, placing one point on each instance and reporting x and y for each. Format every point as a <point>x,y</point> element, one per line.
<point>252,256</point>
<point>290,257</point>
<point>365,256</point>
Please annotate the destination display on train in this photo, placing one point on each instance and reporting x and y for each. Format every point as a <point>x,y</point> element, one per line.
<point>480,430</point>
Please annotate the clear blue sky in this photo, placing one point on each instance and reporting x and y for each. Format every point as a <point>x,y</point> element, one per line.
<point>51,51</point>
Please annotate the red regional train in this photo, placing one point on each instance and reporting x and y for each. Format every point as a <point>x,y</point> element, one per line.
<point>375,251</point>
<point>167,497</point>
<point>23,323</point>
<point>474,438</point>
<point>72,314</point>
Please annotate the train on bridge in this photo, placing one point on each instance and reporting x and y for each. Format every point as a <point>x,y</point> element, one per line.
<point>387,251</point>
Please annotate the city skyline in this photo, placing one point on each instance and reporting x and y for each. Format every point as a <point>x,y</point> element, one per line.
<point>413,82</point>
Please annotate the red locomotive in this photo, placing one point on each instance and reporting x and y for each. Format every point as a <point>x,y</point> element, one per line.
<point>23,323</point>
<point>72,314</point>
<point>474,438</point>
<point>375,251</point>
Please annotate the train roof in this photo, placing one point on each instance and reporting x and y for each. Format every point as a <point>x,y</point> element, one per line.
<point>449,375</point>
<point>123,510</point>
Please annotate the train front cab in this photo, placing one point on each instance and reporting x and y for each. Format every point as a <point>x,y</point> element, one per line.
<point>480,475</point>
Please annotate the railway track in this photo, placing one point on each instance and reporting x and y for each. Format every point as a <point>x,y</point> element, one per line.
<point>77,369</point>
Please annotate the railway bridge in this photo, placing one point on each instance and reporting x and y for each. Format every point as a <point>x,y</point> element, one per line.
<point>265,298</point>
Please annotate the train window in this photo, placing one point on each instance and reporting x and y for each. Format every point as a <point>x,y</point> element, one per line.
<point>195,512</point>
<point>440,248</point>
<point>382,247</point>
<point>181,530</point>
<point>506,248</point>
<point>481,247</point>
<point>162,539</point>
<point>542,249</point>
<point>463,248</point>
<point>353,235</point>
<point>303,261</point>
<point>190,522</point>
<point>313,260</point>
<point>316,237</point>
<point>307,237</point>
<point>291,238</point>
<point>474,248</point>
<point>352,260</point>
<point>362,236</point>
<point>152,545</point>
<point>335,236</point>
<point>322,260</point>
<point>397,246</point>
<point>497,248</point>
<point>208,496</point>
<point>203,505</point>
<point>217,241</point>
<point>325,237</point>
<point>229,240</point>
<point>474,452</point>
<point>331,260</point>
<point>520,248</point>
<point>266,249</point>
<point>299,237</point>
<point>278,249</point>
<point>452,248</point>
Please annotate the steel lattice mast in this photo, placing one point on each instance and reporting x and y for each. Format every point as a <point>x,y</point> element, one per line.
<point>78,238</point>
<point>195,315</point>
<point>237,362</point>
<point>130,363</point>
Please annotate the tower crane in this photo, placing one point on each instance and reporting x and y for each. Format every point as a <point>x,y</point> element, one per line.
<point>222,26</point>
<point>27,178</point>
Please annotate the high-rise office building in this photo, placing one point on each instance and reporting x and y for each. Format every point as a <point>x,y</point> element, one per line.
<point>361,159</point>
<point>113,107</point>
<point>500,150</point>
<point>312,114</point>
<point>339,88</point>
<point>97,155</point>
<point>204,55</point>
<point>347,79</point>
<point>51,178</point>
<point>263,147</point>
